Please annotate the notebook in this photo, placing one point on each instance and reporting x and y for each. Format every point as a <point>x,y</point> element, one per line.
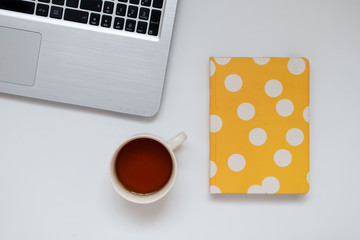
<point>259,125</point>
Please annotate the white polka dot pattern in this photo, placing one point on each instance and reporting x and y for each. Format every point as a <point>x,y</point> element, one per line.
<point>284,107</point>
<point>246,111</point>
<point>215,123</point>
<point>214,190</point>
<point>261,60</point>
<point>233,83</point>
<point>222,60</point>
<point>212,68</point>
<point>296,66</point>
<point>259,124</point>
<point>257,136</point>
<point>282,158</point>
<point>295,137</point>
<point>270,185</point>
<point>306,114</point>
<point>213,169</point>
<point>236,162</point>
<point>273,88</point>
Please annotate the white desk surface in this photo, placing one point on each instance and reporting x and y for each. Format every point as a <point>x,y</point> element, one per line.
<point>54,158</point>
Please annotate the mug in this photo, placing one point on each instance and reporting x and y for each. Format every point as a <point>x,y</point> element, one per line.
<point>170,146</point>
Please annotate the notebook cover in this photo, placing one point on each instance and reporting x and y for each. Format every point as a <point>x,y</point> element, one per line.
<point>259,125</point>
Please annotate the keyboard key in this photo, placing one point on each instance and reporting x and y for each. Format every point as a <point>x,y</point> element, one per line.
<point>58,2</point>
<point>134,1</point>
<point>155,16</point>
<point>123,1</point>
<point>106,21</point>
<point>44,1</point>
<point>141,27</point>
<point>158,3</point>
<point>119,23</point>
<point>18,6</point>
<point>76,16</point>
<point>91,5</point>
<point>153,30</point>
<point>108,7</point>
<point>154,22</point>
<point>121,9</point>
<point>56,12</point>
<point>146,3</point>
<point>144,13</point>
<point>132,12</point>
<point>94,19</point>
<point>130,25</point>
<point>42,10</point>
<point>72,3</point>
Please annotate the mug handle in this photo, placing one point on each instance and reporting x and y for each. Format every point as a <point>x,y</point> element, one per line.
<point>176,141</point>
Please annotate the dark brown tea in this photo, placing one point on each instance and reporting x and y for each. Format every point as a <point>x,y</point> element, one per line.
<point>143,166</point>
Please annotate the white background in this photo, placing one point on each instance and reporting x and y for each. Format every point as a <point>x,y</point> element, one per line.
<point>54,158</point>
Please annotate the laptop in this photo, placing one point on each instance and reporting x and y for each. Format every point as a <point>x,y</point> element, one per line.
<point>109,55</point>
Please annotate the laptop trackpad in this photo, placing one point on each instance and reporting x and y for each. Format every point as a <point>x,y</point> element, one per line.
<point>19,53</point>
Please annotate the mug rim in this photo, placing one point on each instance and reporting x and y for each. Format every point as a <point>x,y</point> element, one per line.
<point>132,196</point>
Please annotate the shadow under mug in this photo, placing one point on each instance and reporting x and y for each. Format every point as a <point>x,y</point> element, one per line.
<point>170,146</point>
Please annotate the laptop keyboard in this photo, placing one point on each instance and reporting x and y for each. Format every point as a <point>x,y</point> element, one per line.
<point>138,16</point>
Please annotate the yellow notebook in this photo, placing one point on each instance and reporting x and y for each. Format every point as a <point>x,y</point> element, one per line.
<point>259,125</point>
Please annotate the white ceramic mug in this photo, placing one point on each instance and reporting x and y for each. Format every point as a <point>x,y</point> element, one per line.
<point>170,145</point>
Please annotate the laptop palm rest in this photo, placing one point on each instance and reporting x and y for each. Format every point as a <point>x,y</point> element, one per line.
<point>19,53</point>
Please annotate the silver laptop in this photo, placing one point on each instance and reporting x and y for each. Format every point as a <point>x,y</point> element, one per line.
<point>109,54</point>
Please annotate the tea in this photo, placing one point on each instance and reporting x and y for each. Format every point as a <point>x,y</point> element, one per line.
<point>143,166</point>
